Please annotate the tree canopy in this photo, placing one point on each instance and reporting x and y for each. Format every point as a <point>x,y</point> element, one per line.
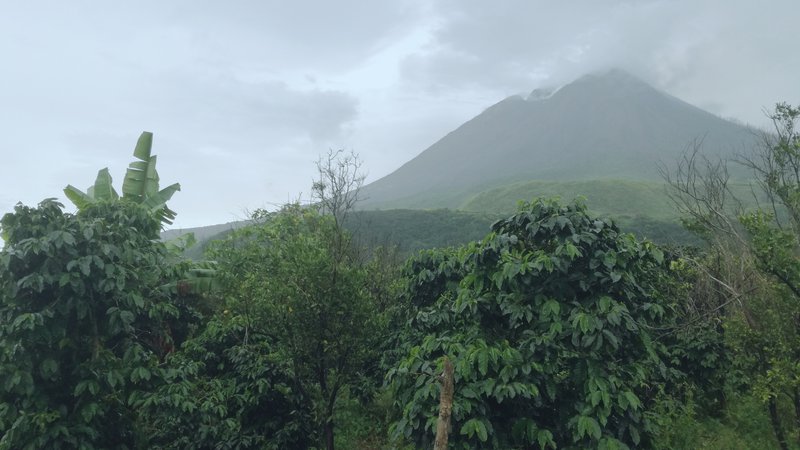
<point>548,323</point>
<point>83,323</point>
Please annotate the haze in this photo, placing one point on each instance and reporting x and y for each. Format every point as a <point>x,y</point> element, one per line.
<point>244,96</point>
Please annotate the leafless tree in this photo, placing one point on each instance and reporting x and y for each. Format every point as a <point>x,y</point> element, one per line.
<point>699,188</point>
<point>336,193</point>
<point>739,268</point>
<point>338,188</point>
<point>776,167</point>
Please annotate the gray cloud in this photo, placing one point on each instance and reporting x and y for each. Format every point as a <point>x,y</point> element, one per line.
<point>82,82</point>
<point>308,34</point>
<point>243,96</point>
<point>696,50</point>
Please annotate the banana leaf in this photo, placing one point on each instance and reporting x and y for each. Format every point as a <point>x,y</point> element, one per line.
<point>179,244</point>
<point>140,184</point>
<point>157,202</point>
<point>201,278</point>
<point>102,189</point>
<point>78,198</point>
<point>141,178</point>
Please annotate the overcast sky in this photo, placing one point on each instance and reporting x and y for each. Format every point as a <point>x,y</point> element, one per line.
<point>243,96</point>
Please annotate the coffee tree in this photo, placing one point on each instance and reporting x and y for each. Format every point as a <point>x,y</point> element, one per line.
<point>549,323</point>
<point>83,323</point>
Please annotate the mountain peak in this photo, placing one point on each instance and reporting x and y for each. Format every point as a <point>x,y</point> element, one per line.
<point>603,125</point>
<point>617,76</point>
<point>614,73</point>
<point>541,94</point>
<point>614,82</point>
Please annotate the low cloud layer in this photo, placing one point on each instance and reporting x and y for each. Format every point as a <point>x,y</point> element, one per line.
<point>729,56</point>
<point>244,96</point>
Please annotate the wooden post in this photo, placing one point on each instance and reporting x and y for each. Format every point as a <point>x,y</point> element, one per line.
<point>445,407</point>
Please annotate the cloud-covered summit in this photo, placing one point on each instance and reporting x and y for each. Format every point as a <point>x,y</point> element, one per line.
<point>602,126</point>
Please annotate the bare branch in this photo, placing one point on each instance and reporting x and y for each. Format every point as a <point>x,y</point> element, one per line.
<point>699,188</point>
<point>337,190</point>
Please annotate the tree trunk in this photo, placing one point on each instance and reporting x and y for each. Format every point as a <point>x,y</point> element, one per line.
<point>445,407</point>
<point>329,434</point>
<point>796,398</point>
<point>328,428</point>
<point>776,423</point>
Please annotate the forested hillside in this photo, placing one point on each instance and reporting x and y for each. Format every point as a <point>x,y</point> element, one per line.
<point>407,230</point>
<point>410,230</point>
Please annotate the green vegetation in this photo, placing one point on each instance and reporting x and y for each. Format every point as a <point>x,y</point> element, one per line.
<point>639,207</point>
<point>85,321</point>
<point>410,230</point>
<point>228,384</point>
<point>140,185</point>
<point>292,280</point>
<point>308,330</point>
<point>407,230</point>
<point>616,198</point>
<point>413,230</point>
<point>751,271</point>
<point>547,320</point>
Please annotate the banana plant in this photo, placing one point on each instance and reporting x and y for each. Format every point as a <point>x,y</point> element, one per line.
<point>140,184</point>
<point>102,189</point>
<point>141,181</point>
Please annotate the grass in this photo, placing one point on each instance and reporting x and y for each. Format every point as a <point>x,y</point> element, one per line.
<point>744,425</point>
<point>365,427</point>
<point>614,198</point>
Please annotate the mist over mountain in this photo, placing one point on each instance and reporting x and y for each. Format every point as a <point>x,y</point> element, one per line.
<point>601,137</point>
<point>606,126</point>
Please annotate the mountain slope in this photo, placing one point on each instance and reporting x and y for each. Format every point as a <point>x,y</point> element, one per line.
<point>602,126</point>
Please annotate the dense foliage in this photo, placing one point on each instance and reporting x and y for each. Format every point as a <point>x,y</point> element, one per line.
<point>228,387</point>
<point>84,317</point>
<point>413,230</point>
<point>564,331</point>
<point>548,323</point>
<point>749,274</point>
<point>292,278</point>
